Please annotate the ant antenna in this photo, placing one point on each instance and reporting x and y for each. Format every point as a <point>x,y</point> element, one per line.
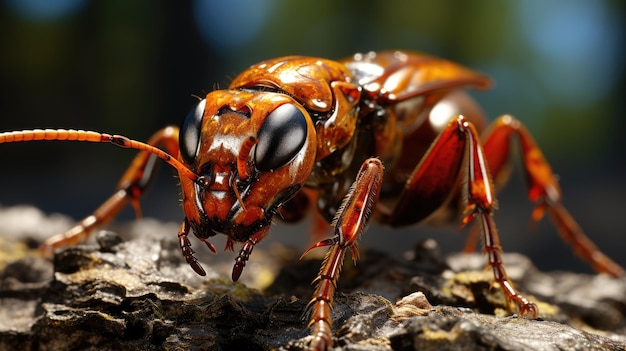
<point>95,137</point>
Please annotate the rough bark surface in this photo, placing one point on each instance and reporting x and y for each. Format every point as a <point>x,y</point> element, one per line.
<point>138,293</point>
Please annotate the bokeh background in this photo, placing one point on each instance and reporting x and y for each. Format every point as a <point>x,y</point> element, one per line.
<point>131,67</point>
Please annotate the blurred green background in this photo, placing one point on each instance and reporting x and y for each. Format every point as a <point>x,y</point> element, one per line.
<point>131,67</point>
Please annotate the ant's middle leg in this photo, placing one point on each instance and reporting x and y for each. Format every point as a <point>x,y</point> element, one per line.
<point>457,157</point>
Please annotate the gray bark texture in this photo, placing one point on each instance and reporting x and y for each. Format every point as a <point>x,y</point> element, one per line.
<point>134,291</point>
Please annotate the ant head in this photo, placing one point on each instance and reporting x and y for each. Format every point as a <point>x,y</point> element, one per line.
<point>252,152</point>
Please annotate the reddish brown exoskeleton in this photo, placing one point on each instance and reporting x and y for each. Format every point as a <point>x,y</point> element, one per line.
<point>389,135</point>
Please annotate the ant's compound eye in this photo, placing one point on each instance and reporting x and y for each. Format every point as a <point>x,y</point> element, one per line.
<point>280,138</point>
<point>190,130</point>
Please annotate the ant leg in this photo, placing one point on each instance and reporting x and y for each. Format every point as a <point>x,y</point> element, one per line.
<point>480,205</point>
<point>457,151</point>
<point>543,189</point>
<point>348,225</point>
<point>130,188</point>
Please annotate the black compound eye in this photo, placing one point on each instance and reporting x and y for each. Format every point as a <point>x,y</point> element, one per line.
<point>280,138</point>
<point>190,130</point>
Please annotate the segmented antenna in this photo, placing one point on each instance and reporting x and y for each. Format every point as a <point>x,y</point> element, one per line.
<point>95,137</point>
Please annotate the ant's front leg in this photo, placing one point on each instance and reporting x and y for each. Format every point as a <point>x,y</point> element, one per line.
<point>130,188</point>
<point>543,189</point>
<point>348,225</point>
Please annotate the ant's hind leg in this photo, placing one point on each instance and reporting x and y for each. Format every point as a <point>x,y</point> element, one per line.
<point>543,189</point>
